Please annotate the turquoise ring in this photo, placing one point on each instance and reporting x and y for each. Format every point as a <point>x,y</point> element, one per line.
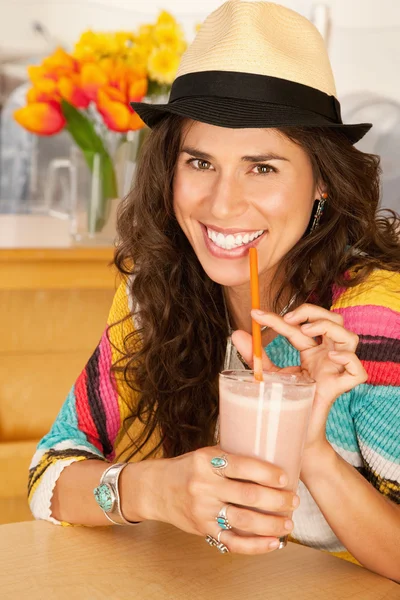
<point>222,518</point>
<point>219,464</point>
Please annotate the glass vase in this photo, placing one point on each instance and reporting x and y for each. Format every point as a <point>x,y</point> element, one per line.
<point>97,182</point>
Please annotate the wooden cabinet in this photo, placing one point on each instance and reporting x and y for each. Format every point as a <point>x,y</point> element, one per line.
<point>53,309</point>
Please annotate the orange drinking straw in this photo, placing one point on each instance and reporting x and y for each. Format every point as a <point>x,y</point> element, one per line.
<point>255,303</point>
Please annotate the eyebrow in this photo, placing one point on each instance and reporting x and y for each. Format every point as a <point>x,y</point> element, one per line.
<point>248,158</point>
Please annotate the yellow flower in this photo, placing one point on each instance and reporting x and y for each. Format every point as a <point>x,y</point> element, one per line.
<point>163,65</point>
<point>170,36</point>
<point>144,34</point>
<point>138,55</point>
<point>95,45</point>
<point>88,46</point>
<point>124,40</point>
<point>165,18</point>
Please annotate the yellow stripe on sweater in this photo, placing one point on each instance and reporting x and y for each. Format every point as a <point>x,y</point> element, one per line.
<point>121,313</point>
<point>45,462</point>
<point>381,288</point>
<point>345,556</point>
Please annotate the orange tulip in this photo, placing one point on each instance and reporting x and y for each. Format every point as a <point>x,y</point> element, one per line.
<point>137,90</point>
<point>60,62</point>
<point>107,65</point>
<point>115,94</point>
<point>92,80</point>
<point>135,122</point>
<point>70,89</point>
<point>41,118</point>
<point>117,115</point>
<point>46,86</point>
<point>35,95</point>
<point>36,72</point>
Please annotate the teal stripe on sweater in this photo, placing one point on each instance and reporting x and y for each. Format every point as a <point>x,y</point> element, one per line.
<point>376,413</point>
<point>340,429</point>
<point>282,353</point>
<point>65,427</point>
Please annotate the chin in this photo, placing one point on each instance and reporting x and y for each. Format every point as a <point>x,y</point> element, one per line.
<point>228,275</point>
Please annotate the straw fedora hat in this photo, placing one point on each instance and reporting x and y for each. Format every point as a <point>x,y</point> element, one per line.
<point>255,64</point>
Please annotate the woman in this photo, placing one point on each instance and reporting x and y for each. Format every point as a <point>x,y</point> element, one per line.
<point>249,151</point>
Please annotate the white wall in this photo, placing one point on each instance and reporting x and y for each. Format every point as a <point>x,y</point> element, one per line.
<point>364,43</point>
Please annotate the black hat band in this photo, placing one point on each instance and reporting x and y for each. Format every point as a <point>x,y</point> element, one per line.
<point>258,88</point>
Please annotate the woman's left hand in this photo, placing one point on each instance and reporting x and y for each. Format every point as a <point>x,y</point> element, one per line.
<point>327,355</point>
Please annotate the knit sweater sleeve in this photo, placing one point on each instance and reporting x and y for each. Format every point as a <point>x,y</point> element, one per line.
<point>372,310</point>
<point>89,423</point>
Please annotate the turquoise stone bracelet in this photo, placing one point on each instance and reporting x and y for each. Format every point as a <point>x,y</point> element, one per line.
<point>104,497</point>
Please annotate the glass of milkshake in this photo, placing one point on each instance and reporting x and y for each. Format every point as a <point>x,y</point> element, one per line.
<point>266,419</point>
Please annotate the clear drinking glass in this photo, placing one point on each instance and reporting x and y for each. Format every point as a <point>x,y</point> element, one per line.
<point>266,419</point>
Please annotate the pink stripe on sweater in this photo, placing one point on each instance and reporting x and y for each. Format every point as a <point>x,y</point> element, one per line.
<point>108,391</point>
<point>371,320</point>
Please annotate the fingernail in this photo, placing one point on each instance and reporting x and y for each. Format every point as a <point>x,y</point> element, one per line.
<point>283,480</point>
<point>274,545</point>
<point>289,316</point>
<point>258,312</point>
<point>307,326</point>
<point>296,501</point>
<point>289,525</point>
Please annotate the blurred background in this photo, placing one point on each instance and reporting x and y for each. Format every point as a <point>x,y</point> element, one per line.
<point>68,148</point>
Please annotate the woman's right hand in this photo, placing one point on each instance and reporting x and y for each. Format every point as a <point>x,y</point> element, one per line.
<point>186,492</point>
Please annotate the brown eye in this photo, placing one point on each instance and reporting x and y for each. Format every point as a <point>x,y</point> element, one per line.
<point>264,169</point>
<point>203,165</point>
<point>199,164</point>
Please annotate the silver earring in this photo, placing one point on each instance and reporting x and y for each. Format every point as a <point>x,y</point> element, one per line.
<point>320,210</point>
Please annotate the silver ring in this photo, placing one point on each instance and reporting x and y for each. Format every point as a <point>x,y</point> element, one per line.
<point>222,518</point>
<point>219,464</point>
<point>211,540</point>
<point>221,547</point>
<point>216,543</point>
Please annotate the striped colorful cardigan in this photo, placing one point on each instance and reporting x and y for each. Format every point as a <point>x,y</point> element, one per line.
<point>363,424</point>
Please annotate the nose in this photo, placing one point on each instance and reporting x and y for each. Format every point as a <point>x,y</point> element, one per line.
<point>227,199</point>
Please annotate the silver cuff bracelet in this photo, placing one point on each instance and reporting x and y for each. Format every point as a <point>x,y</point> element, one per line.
<point>107,495</point>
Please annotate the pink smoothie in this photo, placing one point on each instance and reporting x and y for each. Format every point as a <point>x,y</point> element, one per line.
<point>266,420</point>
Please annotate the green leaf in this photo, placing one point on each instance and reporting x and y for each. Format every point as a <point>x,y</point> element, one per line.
<point>155,89</point>
<point>82,129</point>
<point>84,134</point>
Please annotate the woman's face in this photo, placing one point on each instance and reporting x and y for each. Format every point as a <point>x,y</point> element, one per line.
<point>238,188</point>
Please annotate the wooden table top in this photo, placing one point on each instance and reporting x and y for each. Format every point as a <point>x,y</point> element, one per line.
<point>154,561</point>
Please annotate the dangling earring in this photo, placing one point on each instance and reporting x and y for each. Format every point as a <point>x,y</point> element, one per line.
<point>320,210</point>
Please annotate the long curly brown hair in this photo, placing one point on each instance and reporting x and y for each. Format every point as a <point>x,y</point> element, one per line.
<point>173,358</point>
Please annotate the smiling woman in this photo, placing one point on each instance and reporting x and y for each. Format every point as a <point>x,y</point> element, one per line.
<point>248,152</point>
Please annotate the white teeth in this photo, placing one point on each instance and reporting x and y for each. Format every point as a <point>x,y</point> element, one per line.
<point>220,241</point>
<point>231,241</point>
